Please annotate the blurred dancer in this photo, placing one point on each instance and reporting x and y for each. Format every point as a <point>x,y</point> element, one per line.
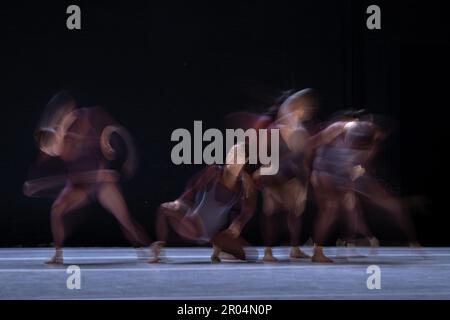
<point>342,155</point>
<point>202,212</point>
<point>87,141</point>
<point>286,191</point>
<point>369,186</point>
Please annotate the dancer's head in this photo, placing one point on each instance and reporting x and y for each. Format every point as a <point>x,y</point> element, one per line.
<point>236,158</point>
<point>54,119</point>
<point>361,135</point>
<point>299,106</point>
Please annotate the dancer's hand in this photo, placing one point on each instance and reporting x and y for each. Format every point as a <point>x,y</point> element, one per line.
<point>174,205</point>
<point>358,171</point>
<point>234,230</point>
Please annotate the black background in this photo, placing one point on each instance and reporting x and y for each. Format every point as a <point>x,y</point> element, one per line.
<point>159,66</point>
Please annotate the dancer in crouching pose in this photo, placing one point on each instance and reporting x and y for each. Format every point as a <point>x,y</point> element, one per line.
<point>201,214</point>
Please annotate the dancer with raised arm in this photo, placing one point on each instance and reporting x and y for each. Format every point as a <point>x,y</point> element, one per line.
<point>87,141</point>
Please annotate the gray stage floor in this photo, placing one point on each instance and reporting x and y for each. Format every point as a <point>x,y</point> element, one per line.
<point>115,273</point>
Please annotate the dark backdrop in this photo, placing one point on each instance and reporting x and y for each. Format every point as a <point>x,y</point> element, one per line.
<point>157,67</point>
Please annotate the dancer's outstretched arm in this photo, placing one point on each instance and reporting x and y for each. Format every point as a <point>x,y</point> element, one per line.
<point>246,205</point>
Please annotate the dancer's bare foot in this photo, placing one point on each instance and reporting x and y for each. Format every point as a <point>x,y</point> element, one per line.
<point>57,258</point>
<point>415,244</point>
<point>340,243</point>
<point>374,245</point>
<point>227,256</point>
<point>350,250</point>
<point>309,243</point>
<point>296,253</point>
<point>156,249</point>
<point>374,242</point>
<point>215,255</point>
<point>319,256</point>
<point>268,256</point>
<point>417,249</point>
<point>143,254</point>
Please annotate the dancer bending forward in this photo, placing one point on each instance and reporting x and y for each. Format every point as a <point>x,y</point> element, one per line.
<point>83,139</point>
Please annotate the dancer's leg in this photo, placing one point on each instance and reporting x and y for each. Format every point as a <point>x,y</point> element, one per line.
<point>70,198</point>
<point>294,198</point>
<point>355,224</point>
<point>169,215</point>
<point>235,246</point>
<point>110,197</point>
<point>187,227</point>
<point>269,223</point>
<point>327,215</point>
<point>381,197</point>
